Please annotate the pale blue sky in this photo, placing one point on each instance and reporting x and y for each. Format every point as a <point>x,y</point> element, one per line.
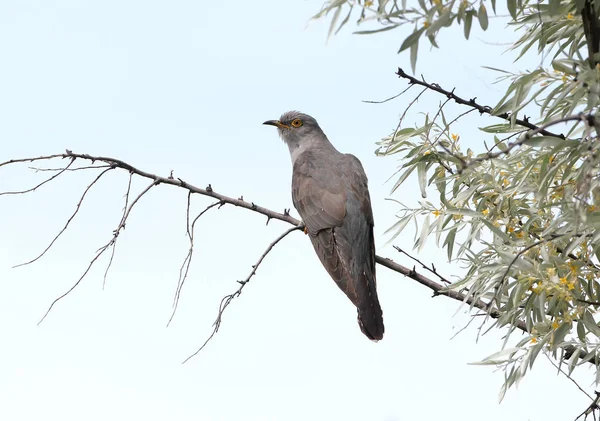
<point>185,86</point>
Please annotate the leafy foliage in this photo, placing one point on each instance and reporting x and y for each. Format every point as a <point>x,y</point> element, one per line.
<point>523,213</point>
<point>426,19</point>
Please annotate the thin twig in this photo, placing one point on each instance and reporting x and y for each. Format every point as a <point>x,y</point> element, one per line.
<point>591,409</point>
<point>437,288</point>
<point>87,167</point>
<point>85,192</point>
<point>430,269</point>
<point>454,120</point>
<point>228,298</point>
<point>410,104</point>
<point>114,244</point>
<point>188,258</point>
<point>101,250</point>
<point>522,139</point>
<point>178,182</point>
<point>388,99</point>
<point>483,109</point>
<point>40,184</point>
<point>568,377</point>
<point>67,154</point>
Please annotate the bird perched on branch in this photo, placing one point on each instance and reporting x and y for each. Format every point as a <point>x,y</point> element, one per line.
<point>329,190</point>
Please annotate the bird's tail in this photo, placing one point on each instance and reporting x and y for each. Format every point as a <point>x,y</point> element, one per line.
<point>370,319</point>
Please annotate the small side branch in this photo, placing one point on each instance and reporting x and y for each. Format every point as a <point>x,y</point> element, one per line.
<point>483,109</point>
<point>69,220</point>
<point>58,174</point>
<point>230,297</point>
<point>172,181</point>
<point>185,266</point>
<point>114,245</point>
<point>592,409</point>
<point>431,269</point>
<point>388,99</point>
<point>527,136</point>
<point>437,288</point>
<point>102,249</point>
<point>411,103</point>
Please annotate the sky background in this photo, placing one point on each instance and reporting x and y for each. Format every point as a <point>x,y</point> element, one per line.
<point>185,86</point>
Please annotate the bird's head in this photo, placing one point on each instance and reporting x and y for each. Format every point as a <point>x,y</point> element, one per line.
<point>295,127</point>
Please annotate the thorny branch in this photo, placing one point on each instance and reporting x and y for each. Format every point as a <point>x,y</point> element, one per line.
<point>85,192</point>
<point>62,170</point>
<point>225,301</point>
<point>483,109</point>
<point>527,136</point>
<point>431,269</point>
<point>185,266</point>
<point>437,288</point>
<point>591,409</point>
<point>114,244</point>
<point>410,104</point>
<point>102,249</point>
<point>390,98</point>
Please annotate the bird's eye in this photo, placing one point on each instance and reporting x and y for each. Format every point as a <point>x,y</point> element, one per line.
<point>297,122</point>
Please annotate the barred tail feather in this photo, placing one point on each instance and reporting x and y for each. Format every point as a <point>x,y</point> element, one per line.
<point>370,320</point>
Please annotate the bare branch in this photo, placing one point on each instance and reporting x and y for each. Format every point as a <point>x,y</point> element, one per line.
<point>447,128</point>
<point>178,182</point>
<point>102,249</point>
<point>40,184</point>
<point>390,98</point>
<point>86,167</point>
<point>230,297</point>
<point>438,289</point>
<point>410,104</point>
<point>39,158</point>
<point>114,244</point>
<point>185,266</point>
<point>522,139</point>
<point>70,218</point>
<point>483,109</point>
<point>592,409</point>
<point>569,377</point>
<point>431,269</point>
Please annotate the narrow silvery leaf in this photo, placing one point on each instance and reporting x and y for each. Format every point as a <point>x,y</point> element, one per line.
<point>573,360</point>
<point>512,8</point>
<point>560,333</point>
<point>374,31</point>
<point>424,233</point>
<point>468,23</point>
<point>422,175</point>
<point>413,55</point>
<point>411,39</point>
<point>590,323</point>
<point>553,6</point>
<point>449,242</point>
<point>483,17</point>
<point>336,16</point>
<point>498,357</point>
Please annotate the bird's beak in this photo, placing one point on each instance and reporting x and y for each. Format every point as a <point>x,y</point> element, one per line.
<point>276,123</point>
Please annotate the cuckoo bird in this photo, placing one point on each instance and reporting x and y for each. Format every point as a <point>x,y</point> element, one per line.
<point>329,190</point>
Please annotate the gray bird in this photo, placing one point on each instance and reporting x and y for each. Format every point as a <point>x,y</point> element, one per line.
<point>329,190</point>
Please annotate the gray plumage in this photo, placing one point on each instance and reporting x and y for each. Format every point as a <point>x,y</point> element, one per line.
<point>329,190</point>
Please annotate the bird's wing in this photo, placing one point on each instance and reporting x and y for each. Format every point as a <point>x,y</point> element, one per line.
<point>334,203</point>
<point>318,193</point>
<point>356,245</point>
<point>320,197</point>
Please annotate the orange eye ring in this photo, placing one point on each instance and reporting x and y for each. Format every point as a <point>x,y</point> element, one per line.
<point>296,123</point>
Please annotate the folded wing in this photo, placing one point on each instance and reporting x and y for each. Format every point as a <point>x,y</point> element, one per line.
<point>333,200</point>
